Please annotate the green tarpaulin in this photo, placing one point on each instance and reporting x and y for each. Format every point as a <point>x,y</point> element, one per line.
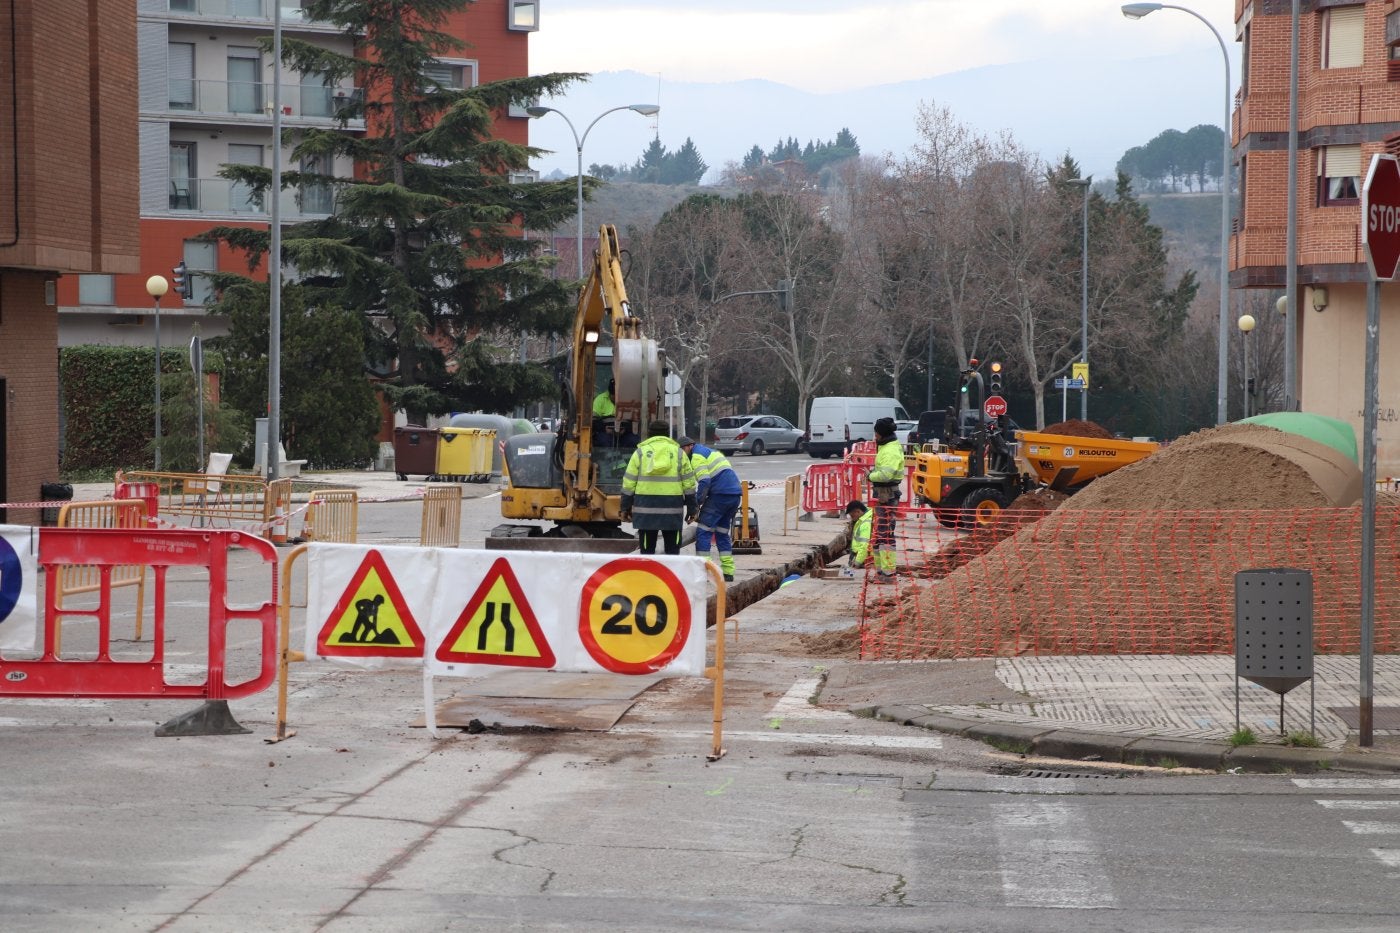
<point>1334,433</point>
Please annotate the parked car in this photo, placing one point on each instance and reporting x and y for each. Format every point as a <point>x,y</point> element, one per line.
<point>757,434</point>
<point>902,430</point>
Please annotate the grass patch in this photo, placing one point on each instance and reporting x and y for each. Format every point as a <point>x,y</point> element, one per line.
<point>1244,736</point>
<point>1011,746</point>
<point>1168,763</point>
<point>1302,740</point>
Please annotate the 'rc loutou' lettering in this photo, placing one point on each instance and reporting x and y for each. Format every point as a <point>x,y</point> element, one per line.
<point>1385,218</point>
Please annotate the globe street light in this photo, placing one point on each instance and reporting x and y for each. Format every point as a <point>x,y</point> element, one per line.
<point>156,286</point>
<point>1086,184</point>
<point>645,110</point>
<point>1138,11</point>
<point>1246,324</point>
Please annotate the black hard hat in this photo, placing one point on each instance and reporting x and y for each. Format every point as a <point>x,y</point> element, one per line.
<point>854,506</point>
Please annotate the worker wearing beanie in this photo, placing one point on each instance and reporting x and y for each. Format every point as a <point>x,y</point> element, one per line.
<point>860,518</point>
<point>719,492</point>
<point>885,477</point>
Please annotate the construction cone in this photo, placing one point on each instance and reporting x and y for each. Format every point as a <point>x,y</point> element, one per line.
<point>278,535</point>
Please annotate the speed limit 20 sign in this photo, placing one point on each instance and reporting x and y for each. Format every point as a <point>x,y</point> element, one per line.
<point>634,616</point>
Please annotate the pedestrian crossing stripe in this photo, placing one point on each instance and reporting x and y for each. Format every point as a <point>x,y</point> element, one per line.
<point>498,626</point>
<point>372,619</point>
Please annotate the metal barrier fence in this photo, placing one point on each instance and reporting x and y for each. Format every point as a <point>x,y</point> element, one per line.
<point>1090,581</point>
<point>792,500</point>
<point>442,516</point>
<point>219,500</point>
<point>333,516</point>
<point>74,579</point>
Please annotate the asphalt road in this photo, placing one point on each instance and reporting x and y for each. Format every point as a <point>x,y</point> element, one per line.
<point>814,820</point>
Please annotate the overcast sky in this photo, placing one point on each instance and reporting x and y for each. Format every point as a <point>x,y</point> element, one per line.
<point>836,47</point>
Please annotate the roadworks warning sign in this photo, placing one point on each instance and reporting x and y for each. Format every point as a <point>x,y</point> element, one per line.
<point>371,618</point>
<point>497,626</point>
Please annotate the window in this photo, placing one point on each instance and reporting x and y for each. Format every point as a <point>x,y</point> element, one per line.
<point>316,198</point>
<point>241,198</point>
<point>1343,32</point>
<point>457,75</point>
<point>95,290</point>
<point>1338,175</point>
<point>244,80</point>
<point>523,15</point>
<point>184,186</point>
<point>179,65</point>
<point>201,256</point>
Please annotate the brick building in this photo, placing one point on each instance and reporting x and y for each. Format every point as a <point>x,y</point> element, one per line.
<point>1348,109</point>
<point>67,205</point>
<point>205,92</point>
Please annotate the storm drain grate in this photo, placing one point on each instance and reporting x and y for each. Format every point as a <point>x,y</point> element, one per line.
<point>843,777</point>
<point>1044,773</point>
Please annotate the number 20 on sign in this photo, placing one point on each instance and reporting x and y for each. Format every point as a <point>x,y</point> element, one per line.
<point>634,617</point>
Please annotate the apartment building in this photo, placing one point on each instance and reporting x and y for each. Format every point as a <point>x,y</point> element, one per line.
<point>1348,109</point>
<point>65,208</point>
<point>206,96</point>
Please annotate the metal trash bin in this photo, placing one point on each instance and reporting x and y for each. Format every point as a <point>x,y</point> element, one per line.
<point>53,492</point>
<point>415,451</point>
<point>465,454</point>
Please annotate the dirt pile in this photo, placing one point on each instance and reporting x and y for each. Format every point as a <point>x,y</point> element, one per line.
<point>1076,428</point>
<point>1154,576</point>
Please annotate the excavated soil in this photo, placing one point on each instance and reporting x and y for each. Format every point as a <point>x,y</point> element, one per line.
<point>999,572</point>
<point>1076,428</point>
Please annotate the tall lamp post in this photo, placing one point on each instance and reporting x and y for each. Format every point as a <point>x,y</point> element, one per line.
<point>1138,11</point>
<point>1246,324</point>
<point>157,286</point>
<point>1087,184</point>
<point>645,110</point>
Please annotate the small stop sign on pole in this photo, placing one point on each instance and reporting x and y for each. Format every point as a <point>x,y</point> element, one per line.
<point>1380,216</point>
<point>995,406</point>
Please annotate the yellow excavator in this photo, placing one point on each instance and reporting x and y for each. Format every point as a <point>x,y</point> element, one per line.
<point>573,477</point>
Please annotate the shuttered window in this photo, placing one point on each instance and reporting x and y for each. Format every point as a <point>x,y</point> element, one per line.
<point>1338,175</point>
<point>1343,36</point>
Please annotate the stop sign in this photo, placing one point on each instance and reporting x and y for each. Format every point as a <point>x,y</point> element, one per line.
<point>1380,216</point>
<point>995,406</point>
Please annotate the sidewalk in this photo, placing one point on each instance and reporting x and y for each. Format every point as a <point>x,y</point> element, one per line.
<point>1145,709</point>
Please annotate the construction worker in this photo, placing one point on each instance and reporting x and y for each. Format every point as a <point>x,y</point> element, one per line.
<point>604,422</point>
<point>860,517</point>
<point>605,403</point>
<point>718,492</point>
<point>658,490</point>
<point>885,478</point>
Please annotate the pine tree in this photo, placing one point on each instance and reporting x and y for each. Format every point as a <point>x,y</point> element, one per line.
<point>425,243</point>
<point>684,166</point>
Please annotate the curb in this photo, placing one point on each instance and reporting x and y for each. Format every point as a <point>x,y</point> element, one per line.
<point>1127,748</point>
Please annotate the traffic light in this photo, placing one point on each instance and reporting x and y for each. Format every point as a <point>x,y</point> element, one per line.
<point>996,379</point>
<point>181,280</point>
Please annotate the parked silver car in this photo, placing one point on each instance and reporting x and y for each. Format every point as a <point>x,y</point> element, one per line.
<point>757,434</point>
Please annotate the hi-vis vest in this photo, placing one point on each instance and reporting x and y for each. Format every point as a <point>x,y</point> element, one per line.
<point>678,479</point>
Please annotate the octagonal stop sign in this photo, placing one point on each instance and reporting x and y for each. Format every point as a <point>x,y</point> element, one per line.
<point>1380,216</point>
<point>995,406</point>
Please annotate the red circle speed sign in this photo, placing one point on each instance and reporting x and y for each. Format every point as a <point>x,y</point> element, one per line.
<point>995,406</point>
<point>1380,216</point>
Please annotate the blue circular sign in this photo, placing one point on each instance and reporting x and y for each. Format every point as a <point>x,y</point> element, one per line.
<point>11,579</point>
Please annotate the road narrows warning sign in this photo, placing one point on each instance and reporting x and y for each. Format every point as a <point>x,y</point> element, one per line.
<point>497,626</point>
<point>372,618</point>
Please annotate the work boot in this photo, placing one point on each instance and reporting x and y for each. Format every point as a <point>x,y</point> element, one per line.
<point>729,578</point>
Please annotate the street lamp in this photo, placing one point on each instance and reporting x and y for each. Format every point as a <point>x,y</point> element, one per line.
<point>1138,11</point>
<point>156,286</point>
<point>645,110</point>
<point>1246,324</point>
<point>1086,184</point>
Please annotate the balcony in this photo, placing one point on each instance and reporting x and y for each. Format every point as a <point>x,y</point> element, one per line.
<point>258,10</point>
<point>253,100</point>
<point>221,196</point>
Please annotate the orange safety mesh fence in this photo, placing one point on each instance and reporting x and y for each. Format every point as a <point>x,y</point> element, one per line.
<point>1089,581</point>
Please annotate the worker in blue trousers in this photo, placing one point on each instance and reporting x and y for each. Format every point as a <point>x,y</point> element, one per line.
<point>718,492</point>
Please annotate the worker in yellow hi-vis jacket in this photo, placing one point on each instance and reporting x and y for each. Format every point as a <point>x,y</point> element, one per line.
<point>885,478</point>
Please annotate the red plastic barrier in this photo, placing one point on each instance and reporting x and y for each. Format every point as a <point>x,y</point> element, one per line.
<point>104,677</point>
<point>150,492</point>
<point>823,489</point>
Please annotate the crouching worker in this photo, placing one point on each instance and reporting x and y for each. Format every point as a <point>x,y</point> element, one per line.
<point>658,490</point>
<point>719,493</point>
<point>861,518</point>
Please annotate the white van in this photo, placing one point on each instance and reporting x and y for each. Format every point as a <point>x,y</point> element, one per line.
<point>838,421</point>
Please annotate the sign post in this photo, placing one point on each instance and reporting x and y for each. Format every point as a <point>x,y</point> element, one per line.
<point>1380,237</point>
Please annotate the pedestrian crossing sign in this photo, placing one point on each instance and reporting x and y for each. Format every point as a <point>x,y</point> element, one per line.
<point>497,626</point>
<point>371,619</point>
